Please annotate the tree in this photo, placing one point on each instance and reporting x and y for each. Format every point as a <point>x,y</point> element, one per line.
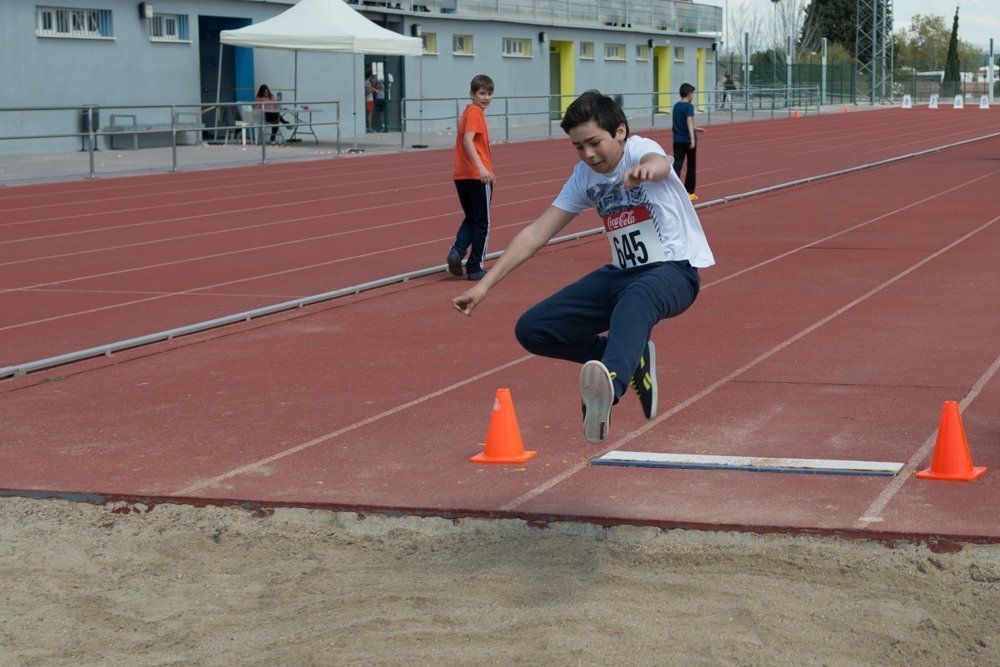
<point>923,45</point>
<point>951,84</point>
<point>742,21</point>
<point>833,19</point>
<point>837,54</point>
<point>788,19</point>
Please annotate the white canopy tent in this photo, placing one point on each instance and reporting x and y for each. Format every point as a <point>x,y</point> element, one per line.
<point>328,26</point>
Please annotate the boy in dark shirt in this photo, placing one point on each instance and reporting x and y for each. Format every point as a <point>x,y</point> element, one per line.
<point>684,138</point>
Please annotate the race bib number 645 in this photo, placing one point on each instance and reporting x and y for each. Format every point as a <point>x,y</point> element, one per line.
<point>633,238</point>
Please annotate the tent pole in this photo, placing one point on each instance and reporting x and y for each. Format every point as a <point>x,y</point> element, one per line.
<point>218,92</point>
<point>420,62</point>
<point>420,130</point>
<point>354,103</point>
<point>295,90</point>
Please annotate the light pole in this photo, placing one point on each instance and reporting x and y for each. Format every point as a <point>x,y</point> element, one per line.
<point>725,30</point>
<point>775,35</point>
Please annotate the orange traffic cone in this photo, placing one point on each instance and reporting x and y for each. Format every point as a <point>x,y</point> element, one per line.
<point>845,109</point>
<point>796,114</point>
<point>951,451</point>
<point>503,440</point>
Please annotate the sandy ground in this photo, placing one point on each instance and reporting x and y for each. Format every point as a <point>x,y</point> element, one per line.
<point>82,584</point>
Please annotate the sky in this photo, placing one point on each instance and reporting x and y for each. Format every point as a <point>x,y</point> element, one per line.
<point>978,20</point>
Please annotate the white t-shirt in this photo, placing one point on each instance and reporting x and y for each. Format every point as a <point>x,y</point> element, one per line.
<point>653,222</point>
<point>381,86</point>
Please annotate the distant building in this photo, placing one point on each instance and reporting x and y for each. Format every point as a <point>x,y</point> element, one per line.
<point>108,52</point>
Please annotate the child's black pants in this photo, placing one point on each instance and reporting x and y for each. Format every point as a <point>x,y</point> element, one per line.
<point>682,151</point>
<point>474,231</point>
<point>626,303</point>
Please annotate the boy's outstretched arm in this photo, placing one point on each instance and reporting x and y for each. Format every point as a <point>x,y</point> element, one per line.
<point>652,167</point>
<point>525,244</point>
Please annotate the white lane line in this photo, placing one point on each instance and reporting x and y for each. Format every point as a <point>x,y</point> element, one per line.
<point>443,216</point>
<point>855,227</point>
<point>284,204</point>
<point>232,212</point>
<point>154,292</point>
<point>256,465</point>
<point>312,266</point>
<point>874,512</point>
<point>542,488</point>
<point>230,282</point>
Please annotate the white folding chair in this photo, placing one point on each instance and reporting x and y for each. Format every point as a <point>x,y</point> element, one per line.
<point>245,125</point>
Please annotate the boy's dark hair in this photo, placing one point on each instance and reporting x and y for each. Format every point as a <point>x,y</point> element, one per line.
<point>481,81</point>
<point>593,106</point>
<point>686,89</point>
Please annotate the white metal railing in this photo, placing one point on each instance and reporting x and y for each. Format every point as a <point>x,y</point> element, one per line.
<point>658,15</point>
<point>506,112</point>
<point>175,122</point>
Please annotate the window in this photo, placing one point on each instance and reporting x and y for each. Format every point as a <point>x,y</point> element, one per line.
<point>641,52</point>
<point>516,48</point>
<point>461,45</point>
<point>614,52</point>
<point>168,28</point>
<point>678,54</point>
<point>586,50</point>
<point>66,22</point>
<point>430,43</point>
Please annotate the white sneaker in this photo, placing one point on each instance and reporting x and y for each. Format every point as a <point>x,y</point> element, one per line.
<point>598,394</point>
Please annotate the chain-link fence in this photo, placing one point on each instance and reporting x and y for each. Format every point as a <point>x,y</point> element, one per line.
<point>928,80</point>
<point>840,82</point>
<point>838,87</point>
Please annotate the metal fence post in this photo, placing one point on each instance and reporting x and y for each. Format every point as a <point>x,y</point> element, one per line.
<point>173,139</point>
<point>90,131</point>
<point>548,114</point>
<point>263,138</point>
<point>506,120</point>
<point>789,59</point>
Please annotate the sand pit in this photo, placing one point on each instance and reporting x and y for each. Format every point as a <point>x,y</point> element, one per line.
<point>84,584</point>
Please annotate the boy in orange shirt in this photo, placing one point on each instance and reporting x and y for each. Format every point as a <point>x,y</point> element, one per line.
<point>474,179</point>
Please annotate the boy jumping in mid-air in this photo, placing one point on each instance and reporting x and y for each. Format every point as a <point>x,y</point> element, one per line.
<point>685,142</point>
<point>474,179</point>
<point>657,246</point>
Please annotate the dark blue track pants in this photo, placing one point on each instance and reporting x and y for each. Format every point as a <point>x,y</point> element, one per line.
<point>474,231</point>
<point>625,303</point>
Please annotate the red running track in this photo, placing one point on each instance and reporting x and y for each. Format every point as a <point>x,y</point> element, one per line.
<point>83,264</point>
<point>840,317</point>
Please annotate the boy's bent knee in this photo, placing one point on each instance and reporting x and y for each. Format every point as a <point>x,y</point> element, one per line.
<point>526,331</point>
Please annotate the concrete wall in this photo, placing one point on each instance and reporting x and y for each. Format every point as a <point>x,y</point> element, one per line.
<point>132,70</point>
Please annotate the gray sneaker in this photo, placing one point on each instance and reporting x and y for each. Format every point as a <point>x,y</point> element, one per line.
<point>598,394</point>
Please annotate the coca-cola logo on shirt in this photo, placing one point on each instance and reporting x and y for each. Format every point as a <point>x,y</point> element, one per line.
<point>629,216</point>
